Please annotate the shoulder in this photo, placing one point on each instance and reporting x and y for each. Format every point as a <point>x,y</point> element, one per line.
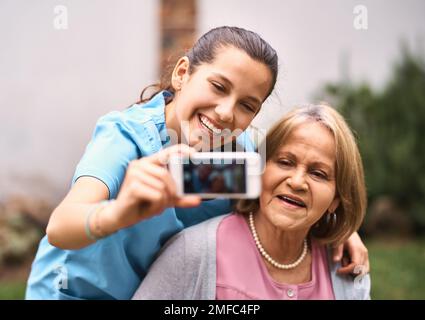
<point>203,233</point>
<point>185,267</point>
<point>140,128</point>
<point>129,119</point>
<point>151,111</point>
<point>348,287</point>
<point>118,138</point>
<point>195,245</point>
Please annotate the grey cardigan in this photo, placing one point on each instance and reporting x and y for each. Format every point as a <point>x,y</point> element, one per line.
<point>186,269</point>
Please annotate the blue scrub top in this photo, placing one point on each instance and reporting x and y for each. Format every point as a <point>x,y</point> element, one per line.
<point>113,267</point>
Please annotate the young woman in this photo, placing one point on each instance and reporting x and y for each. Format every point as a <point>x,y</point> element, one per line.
<point>218,86</point>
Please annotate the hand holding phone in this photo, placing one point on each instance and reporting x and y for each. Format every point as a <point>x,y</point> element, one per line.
<point>218,174</point>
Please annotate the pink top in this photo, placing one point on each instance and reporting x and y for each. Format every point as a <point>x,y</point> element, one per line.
<point>242,273</point>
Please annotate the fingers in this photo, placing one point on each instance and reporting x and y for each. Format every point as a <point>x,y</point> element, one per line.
<point>188,201</point>
<point>354,269</point>
<point>354,265</point>
<point>149,179</point>
<point>161,174</point>
<point>169,186</point>
<point>151,185</point>
<point>365,260</point>
<point>358,253</point>
<point>348,269</point>
<point>367,267</point>
<point>337,253</point>
<point>153,200</point>
<point>162,157</point>
<point>154,166</point>
<point>357,261</point>
<point>360,259</point>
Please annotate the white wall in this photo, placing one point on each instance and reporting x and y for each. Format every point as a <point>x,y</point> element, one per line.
<point>312,37</point>
<point>54,84</point>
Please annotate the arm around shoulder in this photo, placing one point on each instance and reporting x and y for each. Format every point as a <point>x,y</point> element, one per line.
<point>186,269</point>
<point>166,278</point>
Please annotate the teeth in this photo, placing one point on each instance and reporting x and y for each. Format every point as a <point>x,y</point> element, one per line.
<point>293,201</point>
<point>209,125</point>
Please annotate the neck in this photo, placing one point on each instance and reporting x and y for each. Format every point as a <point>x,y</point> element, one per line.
<point>171,121</point>
<point>283,246</point>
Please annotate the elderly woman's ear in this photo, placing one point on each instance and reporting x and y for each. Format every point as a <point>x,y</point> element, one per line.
<point>334,205</point>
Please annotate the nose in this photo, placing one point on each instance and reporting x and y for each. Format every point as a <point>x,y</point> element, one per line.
<point>225,111</point>
<point>297,180</point>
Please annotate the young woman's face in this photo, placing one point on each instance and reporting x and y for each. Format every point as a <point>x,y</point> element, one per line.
<point>299,181</point>
<point>225,94</point>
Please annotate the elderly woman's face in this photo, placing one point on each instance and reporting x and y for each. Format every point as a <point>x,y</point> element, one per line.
<point>299,181</point>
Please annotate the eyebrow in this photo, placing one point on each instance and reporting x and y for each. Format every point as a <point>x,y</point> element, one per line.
<point>230,84</point>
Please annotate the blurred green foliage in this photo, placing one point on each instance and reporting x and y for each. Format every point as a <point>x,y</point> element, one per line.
<point>390,127</point>
<point>397,269</point>
<point>12,290</point>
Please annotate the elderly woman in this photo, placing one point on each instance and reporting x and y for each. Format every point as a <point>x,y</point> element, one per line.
<point>276,247</point>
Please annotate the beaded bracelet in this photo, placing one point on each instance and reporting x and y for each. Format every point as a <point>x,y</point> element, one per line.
<point>95,210</point>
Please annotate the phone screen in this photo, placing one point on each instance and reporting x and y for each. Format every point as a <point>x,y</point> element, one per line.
<point>215,176</point>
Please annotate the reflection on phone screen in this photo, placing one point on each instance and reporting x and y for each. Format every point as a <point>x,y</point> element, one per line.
<point>222,176</point>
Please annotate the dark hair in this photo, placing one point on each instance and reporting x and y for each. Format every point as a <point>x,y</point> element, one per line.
<point>205,49</point>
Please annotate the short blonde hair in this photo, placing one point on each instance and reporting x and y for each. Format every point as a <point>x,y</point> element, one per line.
<point>350,184</point>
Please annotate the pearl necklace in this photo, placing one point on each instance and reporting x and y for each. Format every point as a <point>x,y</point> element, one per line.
<point>267,256</point>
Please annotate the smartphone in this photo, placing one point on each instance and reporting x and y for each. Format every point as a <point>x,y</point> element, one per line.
<point>235,175</point>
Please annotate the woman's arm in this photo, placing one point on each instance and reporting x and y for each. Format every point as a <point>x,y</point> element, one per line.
<point>66,228</point>
<point>186,269</point>
<point>358,260</point>
<point>166,279</point>
<point>147,190</point>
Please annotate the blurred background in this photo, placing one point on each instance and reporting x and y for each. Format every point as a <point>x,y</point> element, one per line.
<point>65,63</point>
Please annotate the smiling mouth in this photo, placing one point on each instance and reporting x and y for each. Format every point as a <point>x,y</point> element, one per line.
<point>292,201</point>
<point>207,124</point>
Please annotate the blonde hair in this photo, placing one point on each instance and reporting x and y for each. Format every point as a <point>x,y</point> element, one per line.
<point>350,184</point>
